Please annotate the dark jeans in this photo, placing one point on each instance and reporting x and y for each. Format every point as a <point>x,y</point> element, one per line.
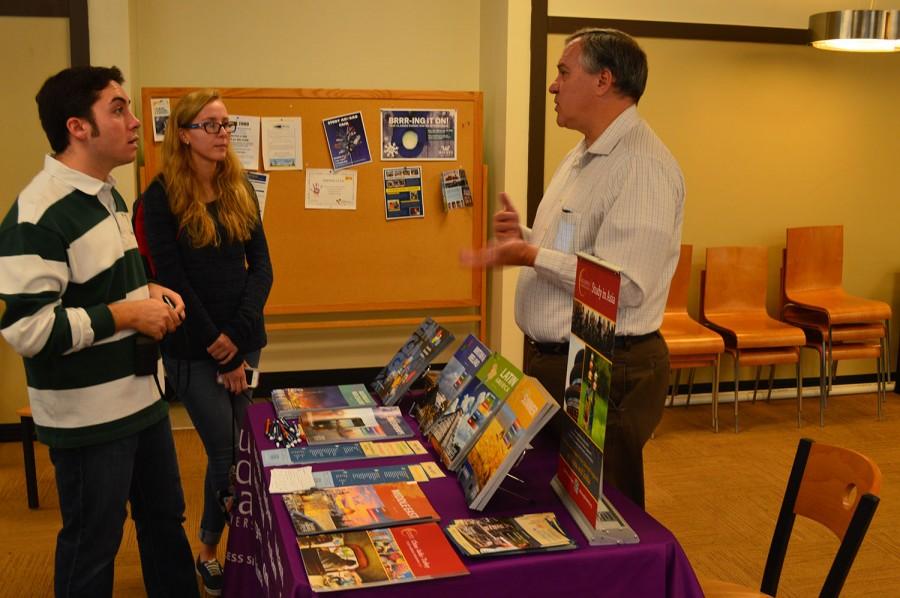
<point>640,378</point>
<point>94,484</point>
<point>217,416</point>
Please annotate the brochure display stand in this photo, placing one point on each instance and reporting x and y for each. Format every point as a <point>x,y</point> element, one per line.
<point>578,480</point>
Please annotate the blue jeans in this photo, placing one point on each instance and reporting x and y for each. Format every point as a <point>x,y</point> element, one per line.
<point>217,416</point>
<point>94,484</point>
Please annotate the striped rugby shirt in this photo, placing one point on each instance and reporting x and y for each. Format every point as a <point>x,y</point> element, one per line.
<point>621,199</point>
<point>67,250</point>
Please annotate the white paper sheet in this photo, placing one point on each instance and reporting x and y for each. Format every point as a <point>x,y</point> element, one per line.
<point>291,479</point>
<point>260,183</point>
<point>330,190</point>
<point>245,140</point>
<point>281,146</point>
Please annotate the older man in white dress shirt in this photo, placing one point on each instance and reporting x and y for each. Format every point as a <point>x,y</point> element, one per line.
<point>618,195</point>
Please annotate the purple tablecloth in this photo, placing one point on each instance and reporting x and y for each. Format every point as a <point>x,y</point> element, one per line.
<point>263,559</point>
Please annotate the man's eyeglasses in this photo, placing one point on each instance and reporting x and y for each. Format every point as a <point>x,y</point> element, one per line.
<point>212,127</point>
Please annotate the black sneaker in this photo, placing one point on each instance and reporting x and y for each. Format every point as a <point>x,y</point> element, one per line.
<point>211,574</point>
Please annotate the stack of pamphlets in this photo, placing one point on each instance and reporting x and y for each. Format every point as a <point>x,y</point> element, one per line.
<point>344,508</point>
<point>466,417</point>
<point>454,377</point>
<point>291,402</point>
<point>411,361</point>
<point>352,425</point>
<point>527,409</point>
<point>497,536</point>
<point>455,189</point>
<point>376,557</point>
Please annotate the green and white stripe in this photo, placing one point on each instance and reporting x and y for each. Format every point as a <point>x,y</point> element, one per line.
<point>67,251</point>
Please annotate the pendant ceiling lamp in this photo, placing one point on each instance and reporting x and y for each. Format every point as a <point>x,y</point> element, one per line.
<point>856,30</point>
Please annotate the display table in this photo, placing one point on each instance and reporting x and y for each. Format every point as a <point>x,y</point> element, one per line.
<point>263,558</point>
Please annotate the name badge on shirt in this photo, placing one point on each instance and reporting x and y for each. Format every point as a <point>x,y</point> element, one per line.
<point>566,231</point>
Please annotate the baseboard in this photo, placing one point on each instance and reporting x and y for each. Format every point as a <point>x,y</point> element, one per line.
<point>781,389</point>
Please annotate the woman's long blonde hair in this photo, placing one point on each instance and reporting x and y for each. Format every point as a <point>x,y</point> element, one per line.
<point>237,209</point>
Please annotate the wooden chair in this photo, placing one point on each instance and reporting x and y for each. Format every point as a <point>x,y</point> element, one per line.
<point>691,345</point>
<point>27,424</point>
<point>841,342</point>
<point>733,290</point>
<point>833,486</point>
<point>813,278</point>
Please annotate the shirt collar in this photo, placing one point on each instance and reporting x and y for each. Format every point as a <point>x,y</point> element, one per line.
<point>623,123</point>
<point>75,178</point>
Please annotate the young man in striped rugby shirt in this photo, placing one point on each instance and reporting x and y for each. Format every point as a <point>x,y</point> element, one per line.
<point>77,300</point>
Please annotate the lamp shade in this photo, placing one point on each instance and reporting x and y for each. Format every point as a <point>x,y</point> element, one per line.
<point>856,30</point>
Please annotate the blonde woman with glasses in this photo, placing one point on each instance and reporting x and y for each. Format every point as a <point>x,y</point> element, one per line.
<point>206,242</point>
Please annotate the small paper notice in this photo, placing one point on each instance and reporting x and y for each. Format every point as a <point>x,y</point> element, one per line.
<point>291,479</point>
<point>432,469</point>
<point>417,447</point>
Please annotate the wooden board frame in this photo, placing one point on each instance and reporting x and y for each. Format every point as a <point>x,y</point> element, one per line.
<point>312,292</point>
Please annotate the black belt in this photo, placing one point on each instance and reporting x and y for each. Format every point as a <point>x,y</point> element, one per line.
<point>548,348</point>
<point>628,341</point>
<point>622,342</point>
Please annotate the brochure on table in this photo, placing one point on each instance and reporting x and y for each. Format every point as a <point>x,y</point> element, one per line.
<point>353,425</point>
<point>527,409</point>
<point>578,480</point>
<point>453,379</point>
<point>500,536</point>
<point>344,508</point>
<point>467,416</point>
<point>291,402</point>
<point>377,557</point>
<point>411,361</point>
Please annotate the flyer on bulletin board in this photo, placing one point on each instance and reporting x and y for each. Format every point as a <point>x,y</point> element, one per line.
<point>245,140</point>
<point>418,134</point>
<point>403,193</point>
<point>161,110</point>
<point>347,144</point>
<point>281,146</point>
<point>328,189</point>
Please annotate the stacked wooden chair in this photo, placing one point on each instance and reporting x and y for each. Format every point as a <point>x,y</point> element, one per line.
<point>839,326</point>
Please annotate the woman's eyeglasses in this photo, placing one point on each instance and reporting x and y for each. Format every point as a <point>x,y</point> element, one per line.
<point>212,127</point>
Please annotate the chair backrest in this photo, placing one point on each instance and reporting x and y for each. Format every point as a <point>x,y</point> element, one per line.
<point>681,282</point>
<point>835,487</point>
<point>813,258</point>
<point>735,280</point>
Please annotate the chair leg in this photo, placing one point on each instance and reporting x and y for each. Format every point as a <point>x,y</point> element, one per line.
<point>887,352</point>
<point>691,372</point>
<point>799,394</point>
<point>834,369</point>
<point>715,395</point>
<point>829,375</point>
<point>675,385</point>
<point>756,383</point>
<point>30,469</point>
<point>882,381</point>
<point>771,381</point>
<point>737,380</point>
<point>822,384</point>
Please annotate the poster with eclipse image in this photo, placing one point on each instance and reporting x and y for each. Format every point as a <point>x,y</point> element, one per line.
<point>418,134</point>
